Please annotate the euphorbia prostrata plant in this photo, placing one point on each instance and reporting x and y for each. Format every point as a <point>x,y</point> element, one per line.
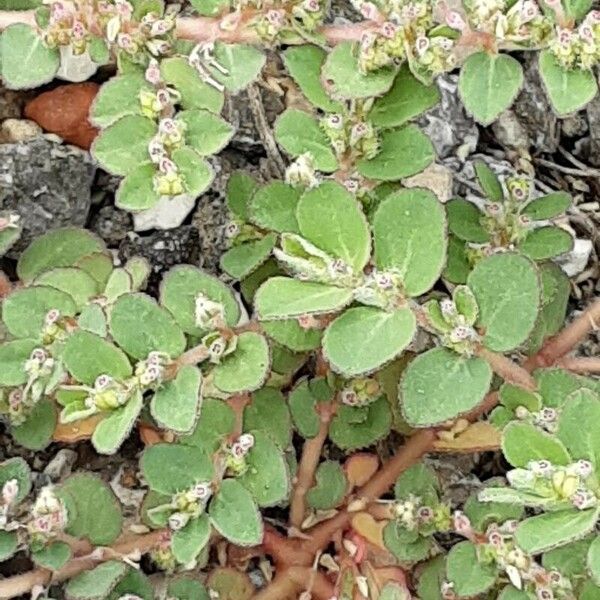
<point>354,308</point>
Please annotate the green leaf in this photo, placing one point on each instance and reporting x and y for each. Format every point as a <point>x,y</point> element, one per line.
<point>403,152</point>
<point>470,577</point>
<point>431,578</point>
<point>234,514</point>
<point>406,550</point>
<point>568,90</point>
<point>488,85</point>
<point>140,326</point>
<point>195,93</point>
<point>578,9</point>
<point>570,560</point>
<point>24,310</point>
<point>136,192</point>
<point>181,286</point>
<point>523,442</point>
<point>589,591</point>
<point>114,429</point>
<point>507,290</point>
<point>330,218</point>
<point>489,182</point>
<point>205,132</point>
<point>406,99</point>
<point>176,403</point>
<point>170,468</point>
<point>282,298</point>
<point>330,486</point>
<point>290,334</point>
<point>9,544</point>
<point>343,79</point>
<point>99,265</point>
<point>593,560</point>
<point>96,583</point>
<point>273,206</point>
<point>418,480</point>
<point>13,356</point>
<point>196,172</point>
<point>546,242</point>
<point>117,98</point>
<point>250,284</point>
<point>409,229</point>
<point>16,468</point>
<point>304,64</point>
<point>457,264</point>
<point>381,335</point>
<point>93,510</point>
<point>73,281</point>
<point>483,514</point>
<point>393,591</point>
<point>98,51</point>
<point>577,426</point>
<point>240,261</point>
<point>52,556</point>
<point>186,588</point>
<point>547,207</point>
<point>207,8</point>
<point>440,385</point>
<point>549,530</point>
<point>303,402</point>
<point>64,247</point>
<point>87,356</point>
<point>267,477</point>
<point>8,237</point>
<point>216,424</point>
<point>188,542</point>
<point>246,369</point>
<point>349,432</point>
<point>242,62</point>
<point>120,148</point>
<point>298,132</point>
<point>26,61</point>
<point>268,412</point>
<point>240,189</point>
<point>513,396</point>
<point>464,221</point>
<point>36,432</point>
<point>135,582</point>
<point>512,593</point>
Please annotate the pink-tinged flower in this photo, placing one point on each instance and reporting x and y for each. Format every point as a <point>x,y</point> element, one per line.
<point>276,17</point>
<point>163,98</point>
<point>389,30</point>
<point>178,521</point>
<point>461,523</point>
<point>39,355</point>
<point>231,230</point>
<point>529,10</point>
<point>124,8</point>
<point>510,526</point>
<point>152,73</point>
<point>238,451</point>
<point>524,220</point>
<point>367,40</point>
<point>167,126</point>
<point>349,397</point>
<point>544,593</point>
<point>495,539</point>
<point>461,333</point>
<point>494,208</point>
<point>541,468</point>
<point>555,577</point>
<point>202,491</point>
<point>307,322</point>
<point>384,281</point>
<point>593,17</point>
<point>58,12</point>
<point>151,374</point>
<point>425,514</point>
<point>565,36</point>
<point>586,33</point>
<point>583,499</point>
<point>583,468</point>
<point>334,121</point>
<point>52,316</point>
<point>311,5</point>
<point>125,41</point>
<point>351,185</point>
<point>369,11</point>
<point>455,20</point>
<point>422,44</point>
<point>10,491</point>
<point>78,30</point>
<point>156,150</point>
<point>42,524</point>
<point>167,166</point>
<point>159,27</point>
<point>246,440</point>
<point>102,382</point>
<point>15,398</point>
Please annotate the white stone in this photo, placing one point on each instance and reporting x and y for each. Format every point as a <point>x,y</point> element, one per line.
<point>167,214</point>
<point>75,67</point>
<point>574,262</point>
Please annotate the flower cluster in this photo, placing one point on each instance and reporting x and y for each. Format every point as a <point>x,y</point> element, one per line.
<point>546,418</point>
<point>150,372</point>
<point>412,514</point>
<point>578,48</point>
<point>49,517</point>
<point>10,492</point>
<point>287,18</point>
<point>209,314</point>
<point>361,391</point>
<point>301,173</point>
<point>351,135</point>
<point>453,320</point>
<point>571,485</point>
<point>383,289</point>
<point>236,454</point>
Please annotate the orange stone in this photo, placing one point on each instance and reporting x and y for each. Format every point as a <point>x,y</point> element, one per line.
<point>64,111</point>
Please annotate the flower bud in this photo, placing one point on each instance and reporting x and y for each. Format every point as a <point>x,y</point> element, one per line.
<point>521,412</point>
<point>541,468</point>
<point>455,21</point>
<point>461,523</point>
<point>52,316</point>
<point>103,382</point>
<point>178,521</point>
<point>246,440</point>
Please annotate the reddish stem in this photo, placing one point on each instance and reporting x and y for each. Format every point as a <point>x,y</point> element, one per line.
<point>507,369</point>
<point>580,364</point>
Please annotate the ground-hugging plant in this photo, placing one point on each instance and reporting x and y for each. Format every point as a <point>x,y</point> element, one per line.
<point>271,404</point>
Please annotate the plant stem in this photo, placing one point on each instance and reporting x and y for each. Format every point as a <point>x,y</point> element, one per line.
<point>18,585</point>
<point>562,343</point>
<point>507,369</point>
<point>237,404</point>
<point>580,364</point>
<point>311,454</point>
<point>294,580</point>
